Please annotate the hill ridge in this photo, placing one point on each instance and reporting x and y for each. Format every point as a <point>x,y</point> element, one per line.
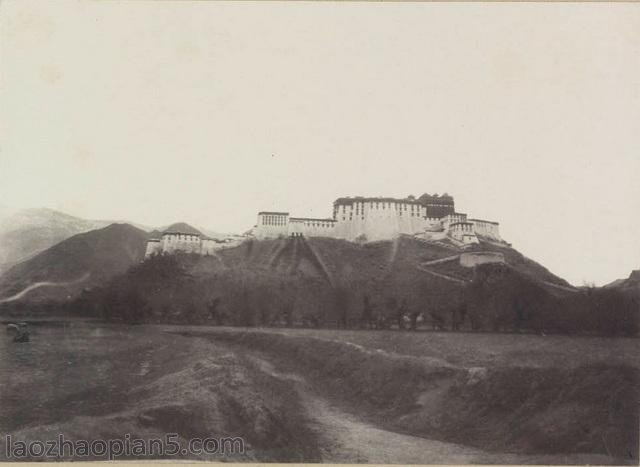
<point>102,253</point>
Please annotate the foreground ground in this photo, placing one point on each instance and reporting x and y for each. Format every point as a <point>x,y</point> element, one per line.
<point>480,349</point>
<point>332,396</point>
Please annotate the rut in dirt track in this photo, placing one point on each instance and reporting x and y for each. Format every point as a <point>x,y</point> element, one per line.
<point>344,438</point>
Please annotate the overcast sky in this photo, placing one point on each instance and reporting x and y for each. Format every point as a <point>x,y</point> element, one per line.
<point>529,114</point>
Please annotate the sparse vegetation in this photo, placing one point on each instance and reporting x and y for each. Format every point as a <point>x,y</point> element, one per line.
<point>546,407</point>
<point>334,284</point>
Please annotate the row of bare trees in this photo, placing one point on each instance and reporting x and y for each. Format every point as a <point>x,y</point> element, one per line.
<point>164,289</point>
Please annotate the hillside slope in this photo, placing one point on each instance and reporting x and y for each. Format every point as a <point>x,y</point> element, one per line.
<point>82,261</point>
<point>329,283</point>
<point>523,264</point>
<point>398,263</point>
<point>629,285</point>
<point>27,232</point>
<point>341,256</point>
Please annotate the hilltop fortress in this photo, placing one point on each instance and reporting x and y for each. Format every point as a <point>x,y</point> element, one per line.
<point>363,219</point>
<point>356,219</point>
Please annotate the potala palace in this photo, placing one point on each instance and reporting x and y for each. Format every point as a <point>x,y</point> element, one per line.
<point>371,219</point>
<point>356,219</point>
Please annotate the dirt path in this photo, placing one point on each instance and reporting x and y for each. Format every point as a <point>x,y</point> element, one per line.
<point>344,438</point>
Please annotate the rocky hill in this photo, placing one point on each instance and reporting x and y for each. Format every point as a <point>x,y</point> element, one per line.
<point>79,262</point>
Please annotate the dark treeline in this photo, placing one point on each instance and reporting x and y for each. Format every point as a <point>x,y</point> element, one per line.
<point>174,289</point>
<point>501,299</point>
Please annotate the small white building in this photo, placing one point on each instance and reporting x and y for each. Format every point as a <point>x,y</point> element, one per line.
<point>185,238</point>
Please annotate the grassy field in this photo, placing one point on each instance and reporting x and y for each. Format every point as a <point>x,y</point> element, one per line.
<point>483,349</point>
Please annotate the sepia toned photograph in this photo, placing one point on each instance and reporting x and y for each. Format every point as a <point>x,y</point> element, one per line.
<point>320,232</point>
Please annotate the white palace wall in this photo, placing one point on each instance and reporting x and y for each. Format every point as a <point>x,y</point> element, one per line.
<point>312,227</point>
<point>209,246</point>
<point>272,225</point>
<point>463,232</point>
<point>379,220</point>
<point>174,242</point>
<point>469,260</point>
<point>180,242</point>
<point>486,228</point>
<point>154,247</point>
<point>453,218</point>
<point>373,219</point>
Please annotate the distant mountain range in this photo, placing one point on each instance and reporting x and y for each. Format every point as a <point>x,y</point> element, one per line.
<point>27,232</point>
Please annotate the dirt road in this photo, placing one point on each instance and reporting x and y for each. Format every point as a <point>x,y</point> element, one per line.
<point>344,438</point>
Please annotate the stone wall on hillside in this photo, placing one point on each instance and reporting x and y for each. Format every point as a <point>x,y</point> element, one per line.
<point>487,229</point>
<point>471,259</point>
<point>181,242</point>
<point>307,227</point>
<point>154,247</point>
